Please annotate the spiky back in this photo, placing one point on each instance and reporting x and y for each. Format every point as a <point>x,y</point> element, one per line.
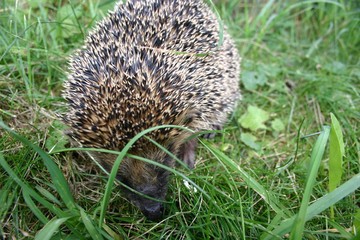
<point>151,63</point>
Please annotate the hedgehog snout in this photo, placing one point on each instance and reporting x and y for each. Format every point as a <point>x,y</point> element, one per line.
<point>153,212</point>
<point>150,189</point>
<point>153,209</point>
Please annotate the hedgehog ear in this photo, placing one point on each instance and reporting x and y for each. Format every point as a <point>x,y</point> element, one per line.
<point>188,152</point>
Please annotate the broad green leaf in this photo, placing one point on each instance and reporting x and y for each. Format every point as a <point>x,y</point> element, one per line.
<point>271,70</point>
<point>226,147</point>
<point>335,67</point>
<point>336,154</point>
<point>250,141</point>
<point>50,229</point>
<point>252,80</point>
<point>56,139</point>
<point>254,118</point>
<point>277,125</point>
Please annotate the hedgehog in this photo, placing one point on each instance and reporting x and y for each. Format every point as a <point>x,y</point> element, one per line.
<point>151,63</point>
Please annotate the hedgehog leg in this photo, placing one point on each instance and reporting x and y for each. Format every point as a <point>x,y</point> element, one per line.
<point>212,134</point>
<point>187,152</point>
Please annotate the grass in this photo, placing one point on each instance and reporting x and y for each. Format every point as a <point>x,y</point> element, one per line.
<point>266,176</point>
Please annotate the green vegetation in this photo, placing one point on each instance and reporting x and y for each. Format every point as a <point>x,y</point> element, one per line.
<point>287,164</point>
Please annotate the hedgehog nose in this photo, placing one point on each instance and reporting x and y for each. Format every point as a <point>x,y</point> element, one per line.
<point>154,212</point>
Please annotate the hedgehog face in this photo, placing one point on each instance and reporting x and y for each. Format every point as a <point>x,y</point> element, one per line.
<point>150,183</point>
<point>150,202</point>
<point>146,183</point>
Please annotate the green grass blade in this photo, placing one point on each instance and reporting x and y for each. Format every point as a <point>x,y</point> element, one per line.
<point>317,207</point>
<point>268,197</point>
<point>316,156</point>
<point>112,235</point>
<point>57,177</point>
<point>51,207</point>
<point>48,195</point>
<point>302,3</point>
<point>32,193</point>
<point>30,203</point>
<point>50,229</point>
<point>7,198</point>
<point>304,52</point>
<point>77,20</point>
<point>193,184</point>
<point>265,12</point>
<point>343,232</point>
<point>337,151</point>
<point>94,233</point>
<point>357,222</point>
<point>29,191</point>
<point>117,163</point>
<point>162,148</point>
